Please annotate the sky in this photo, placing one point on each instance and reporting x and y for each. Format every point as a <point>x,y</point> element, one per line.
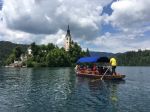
<point>100,25</point>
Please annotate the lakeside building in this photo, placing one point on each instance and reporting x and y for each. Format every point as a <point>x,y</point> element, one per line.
<point>29,50</point>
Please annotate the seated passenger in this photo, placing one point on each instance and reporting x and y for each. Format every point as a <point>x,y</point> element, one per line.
<point>85,68</point>
<point>94,67</point>
<point>77,68</point>
<point>100,70</point>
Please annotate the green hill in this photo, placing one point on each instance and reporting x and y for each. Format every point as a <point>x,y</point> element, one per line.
<point>133,58</point>
<point>6,49</point>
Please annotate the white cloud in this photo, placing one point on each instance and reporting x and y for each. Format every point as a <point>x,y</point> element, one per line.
<point>27,38</point>
<point>58,39</point>
<point>14,36</point>
<point>130,15</point>
<point>131,19</point>
<point>45,21</point>
<point>120,42</point>
<point>47,17</point>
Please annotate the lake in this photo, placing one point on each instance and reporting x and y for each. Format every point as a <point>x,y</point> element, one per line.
<point>59,90</point>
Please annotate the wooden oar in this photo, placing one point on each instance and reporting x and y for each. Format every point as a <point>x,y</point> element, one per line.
<point>102,76</point>
<point>105,73</point>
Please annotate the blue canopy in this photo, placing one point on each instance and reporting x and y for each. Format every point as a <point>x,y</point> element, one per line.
<point>93,60</point>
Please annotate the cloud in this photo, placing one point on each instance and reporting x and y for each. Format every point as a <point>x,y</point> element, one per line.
<point>13,36</point>
<point>47,17</point>
<point>27,38</point>
<point>131,20</point>
<point>130,15</point>
<point>57,38</point>
<point>45,21</point>
<point>120,42</point>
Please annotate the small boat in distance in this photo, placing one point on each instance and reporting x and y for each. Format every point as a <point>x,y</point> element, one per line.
<point>97,68</point>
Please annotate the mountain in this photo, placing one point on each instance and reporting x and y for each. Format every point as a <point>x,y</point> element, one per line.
<point>130,58</point>
<point>6,49</point>
<point>134,58</point>
<point>101,54</point>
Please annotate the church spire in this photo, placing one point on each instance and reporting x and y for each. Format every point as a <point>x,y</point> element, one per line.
<point>68,32</point>
<point>68,27</point>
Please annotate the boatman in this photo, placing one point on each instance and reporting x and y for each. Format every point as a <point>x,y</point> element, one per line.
<point>113,63</point>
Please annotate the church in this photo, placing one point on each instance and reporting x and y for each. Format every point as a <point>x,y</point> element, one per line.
<point>68,40</point>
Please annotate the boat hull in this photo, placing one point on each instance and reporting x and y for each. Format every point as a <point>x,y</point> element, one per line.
<point>105,77</point>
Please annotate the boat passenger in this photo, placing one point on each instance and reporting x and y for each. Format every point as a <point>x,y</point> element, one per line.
<point>77,68</point>
<point>113,63</point>
<point>100,70</point>
<point>85,68</point>
<point>94,67</point>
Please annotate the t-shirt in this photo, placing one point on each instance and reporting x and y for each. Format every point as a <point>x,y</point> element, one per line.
<point>113,62</point>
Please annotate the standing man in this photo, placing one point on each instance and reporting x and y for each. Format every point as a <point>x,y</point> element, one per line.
<point>113,63</point>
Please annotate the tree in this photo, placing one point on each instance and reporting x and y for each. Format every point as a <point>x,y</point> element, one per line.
<point>17,52</point>
<point>50,46</point>
<point>10,59</point>
<point>34,48</point>
<point>87,52</point>
<point>57,58</point>
<point>50,55</point>
<point>75,52</point>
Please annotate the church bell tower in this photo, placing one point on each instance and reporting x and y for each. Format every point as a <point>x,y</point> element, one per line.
<point>68,40</point>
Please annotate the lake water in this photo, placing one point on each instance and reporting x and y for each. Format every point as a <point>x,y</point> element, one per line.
<point>59,90</point>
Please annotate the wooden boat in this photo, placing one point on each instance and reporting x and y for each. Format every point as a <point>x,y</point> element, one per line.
<point>104,74</point>
<point>104,77</point>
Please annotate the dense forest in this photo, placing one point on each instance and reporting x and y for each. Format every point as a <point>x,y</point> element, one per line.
<point>133,58</point>
<point>49,55</point>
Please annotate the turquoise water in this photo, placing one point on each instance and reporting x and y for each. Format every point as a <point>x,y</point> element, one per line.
<point>59,90</point>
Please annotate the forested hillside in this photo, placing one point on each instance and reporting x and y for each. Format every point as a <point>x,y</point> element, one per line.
<point>6,49</point>
<point>101,54</point>
<point>132,58</point>
<point>49,55</point>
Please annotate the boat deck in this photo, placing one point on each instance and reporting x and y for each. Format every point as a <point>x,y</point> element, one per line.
<point>105,77</point>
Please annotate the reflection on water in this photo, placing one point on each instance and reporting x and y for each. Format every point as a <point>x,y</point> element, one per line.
<point>59,90</point>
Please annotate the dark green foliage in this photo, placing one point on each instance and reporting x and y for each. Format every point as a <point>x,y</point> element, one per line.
<point>17,52</point>
<point>87,52</point>
<point>10,59</point>
<point>75,53</point>
<point>6,49</point>
<point>52,56</point>
<point>35,49</point>
<point>132,58</point>
<point>50,46</point>
<point>57,58</point>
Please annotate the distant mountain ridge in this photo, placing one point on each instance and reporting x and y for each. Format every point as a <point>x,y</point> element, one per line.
<point>101,54</point>
<point>130,58</point>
